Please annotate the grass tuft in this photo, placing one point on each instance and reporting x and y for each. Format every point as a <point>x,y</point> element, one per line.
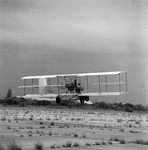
<point>75,135</point>
<point>115,139</point>
<point>97,143</point>
<point>103,143</point>
<point>21,135</point>
<point>121,130</point>
<point>52,123</point>
<point>84,136</point>
<point>29,134</point>
<point>53,146</point>
<point>110,142</point>
<point>141,141</point>
<point>39,146</point>
<point>13,146</point>
<point>87,144</point>
<point>8,127</point>
<point>76,144</point>
<point>3,119</point>
<point>50,133</point>
<point>67,144</point>
<point>2,148</point>
<point>122,141</point>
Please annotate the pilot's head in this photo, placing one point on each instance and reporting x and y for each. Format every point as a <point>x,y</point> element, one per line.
<point>79,84</point>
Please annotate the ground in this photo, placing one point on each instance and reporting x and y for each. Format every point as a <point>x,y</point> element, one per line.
<point>87,129</point>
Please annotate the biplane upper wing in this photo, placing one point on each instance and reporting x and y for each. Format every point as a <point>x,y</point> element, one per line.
<point>81,74</point>
<point>100,73</point>
<point>38,77</point>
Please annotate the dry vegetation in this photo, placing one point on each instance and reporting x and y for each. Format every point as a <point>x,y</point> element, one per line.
<point>128,107</point>
<point>44,128</point>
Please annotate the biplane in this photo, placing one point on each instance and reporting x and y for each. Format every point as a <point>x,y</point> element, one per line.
<point>75,86</point>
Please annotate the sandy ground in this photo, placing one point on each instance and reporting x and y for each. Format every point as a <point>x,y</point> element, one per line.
<point>27,126</point>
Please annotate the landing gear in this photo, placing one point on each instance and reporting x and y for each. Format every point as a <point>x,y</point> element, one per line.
<point>86,98</point>
<point>83,99</point>
<point>58,100</point>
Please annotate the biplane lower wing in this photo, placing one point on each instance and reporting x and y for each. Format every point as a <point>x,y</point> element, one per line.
<point>53,96</point>
<point>102,94</point>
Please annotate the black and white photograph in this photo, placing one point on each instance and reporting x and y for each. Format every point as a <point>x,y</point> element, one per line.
<point>73,74</point>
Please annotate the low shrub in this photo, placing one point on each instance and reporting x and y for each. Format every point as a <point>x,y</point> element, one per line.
<point>53,146</point>
<point>21,135</point>
<point>121,130</point>
<point>68,144</point>
<point>141,141</point>
<point>110,142</point>
<point>13,146</point>
<point>2,148</point>
<point>103,143</point>
<point>75,135</point>
<point>9,120</point>
<point>97,143</point>
<point>37,131</point>
<point>119,120</point>
<point>52,123</point>
<point>29,134</point>
<point>3,119</point>
<point>76,144</point>
<point>8,127</point>
<point>50,133</point>
<point>128,109</point>
<point>122,141</point>
<point>87,144</point>
<point>137,122</point>
<point>39,146</point>
<point>133,131</point>
<point>84,136</point>
<point>115,139</point>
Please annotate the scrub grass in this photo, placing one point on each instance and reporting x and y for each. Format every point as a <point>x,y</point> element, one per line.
<point>2,148</point>
<point>13,146</point>
<point>39,146</point>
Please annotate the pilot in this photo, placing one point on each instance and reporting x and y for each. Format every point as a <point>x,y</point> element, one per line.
<point>79,88</point>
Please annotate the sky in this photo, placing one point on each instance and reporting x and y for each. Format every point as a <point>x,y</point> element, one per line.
<point>43,37</point>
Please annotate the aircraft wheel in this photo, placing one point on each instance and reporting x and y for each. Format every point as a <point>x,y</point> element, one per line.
<point>58,100</point>
<point>87,98</point>
<point>81,99</point>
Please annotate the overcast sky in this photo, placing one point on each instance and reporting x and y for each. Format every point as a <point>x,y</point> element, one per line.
<point>40,37</point>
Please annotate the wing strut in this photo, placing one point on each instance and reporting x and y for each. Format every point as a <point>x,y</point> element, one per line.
<point>87,83</point>
<point>126,80</point>
<point>32,87</point>
<point>58,83</point>
<point>24,87</point>
<point>106,82</point>
<point>49,84</point>
<point>99,84</point>
<point>119,84</point>
<point>80,79</point>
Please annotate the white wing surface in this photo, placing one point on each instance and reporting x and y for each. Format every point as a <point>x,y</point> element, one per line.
<point>81,74</point>
<point>37,77</point>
